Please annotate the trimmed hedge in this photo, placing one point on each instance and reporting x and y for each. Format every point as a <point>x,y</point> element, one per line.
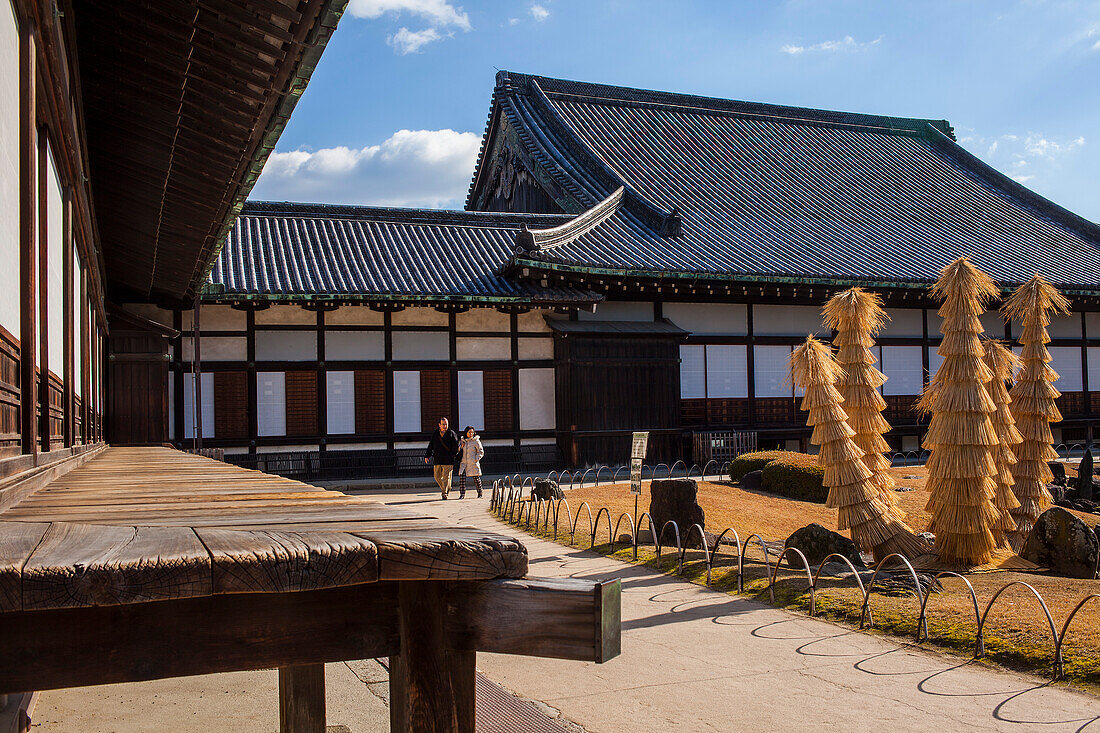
<point>747,462</point>
<point>795,480</point>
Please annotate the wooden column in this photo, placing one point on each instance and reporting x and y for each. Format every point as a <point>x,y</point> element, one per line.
<point>431,688</point>
<point>28,238</point>
<point>43,250</point>
<point>302,699</point>
<point>68,434</point>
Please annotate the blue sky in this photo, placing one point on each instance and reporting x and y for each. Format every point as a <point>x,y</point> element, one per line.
<point>395,111</point>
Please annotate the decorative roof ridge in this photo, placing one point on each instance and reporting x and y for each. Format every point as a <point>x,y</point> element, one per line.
<point>607,93</point>
<point>657,218</point>
<point>541,240</point>
<point>402,215</point>
<point>1040,205</point>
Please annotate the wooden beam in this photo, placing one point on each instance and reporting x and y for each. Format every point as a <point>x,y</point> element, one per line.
<point>28,238</point>
<point>302,699</point>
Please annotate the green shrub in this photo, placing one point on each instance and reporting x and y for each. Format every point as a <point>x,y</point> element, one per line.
<point>795,479</point>
<point>747,462</point>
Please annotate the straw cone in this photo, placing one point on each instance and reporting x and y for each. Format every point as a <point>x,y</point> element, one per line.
<point>857,316</point>
<point>851,492</point>
<point>1003,363</point>
<point>1033,401</point>
<point>961,436</point>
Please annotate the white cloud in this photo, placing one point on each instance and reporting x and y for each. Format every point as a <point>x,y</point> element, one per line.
<point>406,41</point>
<point>425,168</point>
<point>513,21</point>
<point>539,13</point>
<point>1039,146</point>
<point>438,13</point>
<point>1023,157</point>
<point>845,44</point>
<point>1021,179</point>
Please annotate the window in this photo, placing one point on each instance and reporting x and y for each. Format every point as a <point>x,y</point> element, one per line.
<point>406,402</point>
<point>536,399</point>
<point>230,404</point>
<point>271,403</point>
<point>693,372</point>
<point>771,368</point>
<point>340,396</point>
<point>471,399</point>
<point>301,403</point>
<point>1066,360</point>
<point>903,369</point>
<point>727,371</point>
<point>370,401</point>
<point>206,396</point>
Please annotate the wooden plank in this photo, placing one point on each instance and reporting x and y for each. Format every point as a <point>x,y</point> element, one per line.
<point>447,553</point>
<point>145,641</point>
<point>424,695</point>
<point>559,618</point>
<point>92,565</point>
<point>278,561</point>
<point>302,699</point>
<point>17,542</point>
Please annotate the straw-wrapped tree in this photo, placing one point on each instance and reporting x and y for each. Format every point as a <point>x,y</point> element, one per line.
<point>859,506</point>
<point>1003,363</point>
<point>857,317</point>
<point>1033,400</point>
<point>960,435</point>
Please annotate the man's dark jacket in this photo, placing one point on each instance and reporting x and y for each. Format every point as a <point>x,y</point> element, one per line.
<point>442,449</point>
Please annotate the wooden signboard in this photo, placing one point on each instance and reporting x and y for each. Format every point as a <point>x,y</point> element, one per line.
<point>637,455</point>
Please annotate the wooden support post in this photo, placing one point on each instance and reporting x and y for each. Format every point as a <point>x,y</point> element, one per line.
<point>431,688</point>
<point>302,699</point>
<point>28,240</point>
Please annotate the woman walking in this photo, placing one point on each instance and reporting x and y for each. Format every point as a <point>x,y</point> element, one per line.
<point>472,452</point>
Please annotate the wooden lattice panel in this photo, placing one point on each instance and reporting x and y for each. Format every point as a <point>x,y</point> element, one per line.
<point>301,403</point>
<point>230,404</point>
<point>498,400</point>
<point>370,401</point>
<point>435,397</point>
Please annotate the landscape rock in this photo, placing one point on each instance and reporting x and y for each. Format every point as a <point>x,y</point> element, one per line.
<point>1059,470</point>
<point>1057,492</point>
<point>752,480</point>
<point>1063,543</point>
<point>928,537</point>
<point>547,489</point>
<point>817,543</point>
<point>676,500</point>
<point>1084,476</point>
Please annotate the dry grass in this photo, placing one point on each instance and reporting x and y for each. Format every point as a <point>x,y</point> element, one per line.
<point>1017,634</point>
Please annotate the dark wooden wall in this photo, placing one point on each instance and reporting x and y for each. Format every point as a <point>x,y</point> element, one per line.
<point>608,386</point>
<point>138,388</point>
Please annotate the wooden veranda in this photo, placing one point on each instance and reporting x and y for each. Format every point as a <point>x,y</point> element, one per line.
<point>147,563</point>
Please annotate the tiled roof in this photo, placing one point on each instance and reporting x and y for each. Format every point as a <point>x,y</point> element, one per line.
<point>760,190</point>
<point>286,250</point>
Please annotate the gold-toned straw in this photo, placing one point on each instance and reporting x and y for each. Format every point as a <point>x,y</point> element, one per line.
<point>1004,364</point>
<point>961,435</point>
<point>858,316</point>
<point>1033,401</point>
<point>852,493</point>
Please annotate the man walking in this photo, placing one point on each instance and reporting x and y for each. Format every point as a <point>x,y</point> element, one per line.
<point>442,451</point>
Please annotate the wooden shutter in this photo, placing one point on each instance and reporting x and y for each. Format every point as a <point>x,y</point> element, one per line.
<point>301,403</point>
<point>370,401</point>
<point>230,405</point>
<point>435,398</point>
<point>498,400</point>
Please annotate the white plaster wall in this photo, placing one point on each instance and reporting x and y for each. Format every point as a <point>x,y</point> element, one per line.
<point>535,321</point>
<point>496,442</point>
<point>422,345</point>
<point>536,348</point>
<point>356,446</point>
<point>78,362</point>
<point>904,370</point>
<point>727,370</point>
<point>287,448</point>
<point>214,318</point>
<point>217,348</point>
<point>354,315</point>
<point>419,317</point>
<point>724,318</point>
<point>355,346</point>
<point>995,327</point>
<point>786,320</point>
<point>282,315</point>
<point>536,441</point>
<point>1062,327</point>
<point>537,407</point>
<point>55,264</point>
<point>619,311</point>
<point>1092,325</point>
<point>483,319</point>
<point>9,168</point>
<point>904,323</point>
<point>286,346</point>
<point>469,348</point>
<point>1094,368</point>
